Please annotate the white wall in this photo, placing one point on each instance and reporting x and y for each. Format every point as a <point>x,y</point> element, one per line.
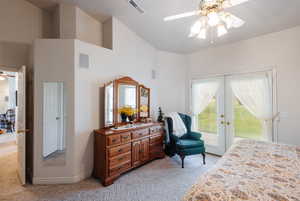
<point>279,50</point>
<point>67,21</point>
<point>88,29</point>
<point>20,24</point>
<point>172,73</point>
<point>54,62</point>
<point>131,56</point>
<point>74,23</point>
<point>20,21</point>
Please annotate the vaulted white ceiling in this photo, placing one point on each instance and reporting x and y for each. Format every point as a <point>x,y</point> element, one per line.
<point>261,16</point>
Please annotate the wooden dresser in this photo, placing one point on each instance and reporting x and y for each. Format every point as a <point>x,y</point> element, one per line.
<point>117,151</point>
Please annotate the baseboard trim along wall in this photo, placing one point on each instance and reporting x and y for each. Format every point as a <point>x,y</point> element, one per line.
<point>61,180</point>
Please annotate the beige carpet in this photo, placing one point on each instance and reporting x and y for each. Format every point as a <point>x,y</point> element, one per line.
<point>160,180</point>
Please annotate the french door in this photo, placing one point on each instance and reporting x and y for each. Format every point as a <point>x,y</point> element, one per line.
<point>227,108</point>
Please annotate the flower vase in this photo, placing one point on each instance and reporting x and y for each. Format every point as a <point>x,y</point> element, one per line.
<point>123,118</point>
<point>131,118</point>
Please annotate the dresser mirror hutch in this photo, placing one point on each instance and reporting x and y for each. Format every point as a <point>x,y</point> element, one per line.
<point>127,140</point>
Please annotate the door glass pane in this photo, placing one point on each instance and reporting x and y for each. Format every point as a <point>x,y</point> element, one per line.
<point>246,125</point>
<point>207,123</point>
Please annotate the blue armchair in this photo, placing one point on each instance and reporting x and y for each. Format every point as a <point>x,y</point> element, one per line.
<point>188,144</point>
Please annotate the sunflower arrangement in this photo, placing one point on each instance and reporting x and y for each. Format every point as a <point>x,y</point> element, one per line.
<point>127,111</point>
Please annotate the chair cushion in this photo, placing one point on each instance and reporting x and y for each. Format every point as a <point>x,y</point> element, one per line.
<point>188,143</point>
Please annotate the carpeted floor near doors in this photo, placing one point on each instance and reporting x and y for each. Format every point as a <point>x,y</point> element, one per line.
<point>160,180</point>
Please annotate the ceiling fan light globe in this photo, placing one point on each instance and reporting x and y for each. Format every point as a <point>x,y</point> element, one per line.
<point>228,21</point>
<point>221,29</point>
<point>204,21</point>
<point>2,78</point>
<point>202,34</point>
<point>213,19</point>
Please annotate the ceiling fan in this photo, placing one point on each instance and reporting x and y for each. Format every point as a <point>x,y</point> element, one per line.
<point>3,75</point>
<point>212,13</point>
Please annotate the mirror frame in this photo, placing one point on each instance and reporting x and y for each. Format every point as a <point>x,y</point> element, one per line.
<point>105,103</point>
<point>139,103</point>
<point>116,83</point>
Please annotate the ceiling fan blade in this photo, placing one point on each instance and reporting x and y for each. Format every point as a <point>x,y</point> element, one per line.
<point>182,15</point>
<point>231,3</point>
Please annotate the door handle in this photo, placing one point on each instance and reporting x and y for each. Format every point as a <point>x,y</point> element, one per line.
<point>57,118</point>
<point>23,131</point>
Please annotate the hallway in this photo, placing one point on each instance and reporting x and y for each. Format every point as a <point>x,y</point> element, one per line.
<point>8,169</point>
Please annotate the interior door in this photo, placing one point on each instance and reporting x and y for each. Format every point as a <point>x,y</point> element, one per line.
<point>21,124</point>
<point>209,119</point>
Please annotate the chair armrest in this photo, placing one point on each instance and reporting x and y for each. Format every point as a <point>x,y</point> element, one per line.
<point>174,138</point>
<point>195,135</point>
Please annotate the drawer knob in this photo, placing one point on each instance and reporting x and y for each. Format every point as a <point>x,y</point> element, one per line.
<point>114,140</point>
<point>120,150</point>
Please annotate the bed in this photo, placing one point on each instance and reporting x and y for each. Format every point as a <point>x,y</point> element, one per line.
<point>252,170</point>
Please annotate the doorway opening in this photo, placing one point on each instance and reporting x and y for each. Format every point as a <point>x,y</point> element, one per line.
<point>233,107</point>
<point>12,138</point>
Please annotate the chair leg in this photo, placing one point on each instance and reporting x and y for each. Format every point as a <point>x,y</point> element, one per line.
<point>203,154</point>
<point>182,156</point>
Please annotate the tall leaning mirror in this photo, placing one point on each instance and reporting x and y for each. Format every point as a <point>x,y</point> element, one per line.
<point>54,139</point>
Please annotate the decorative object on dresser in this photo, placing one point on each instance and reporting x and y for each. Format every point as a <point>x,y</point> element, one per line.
<point>160,115</point>
<point>128,138</point>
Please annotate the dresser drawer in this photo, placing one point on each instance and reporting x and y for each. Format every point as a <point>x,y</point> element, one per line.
<point>113,139</point>
<point>140,133</point>
<point>156,151</point>
<point>155,129</point>
<point>155,148</point>
<point>118,170</point>
<point>125,137</point>
<point>120,159</point>
<point>119,150</point>
<point>156,139</point>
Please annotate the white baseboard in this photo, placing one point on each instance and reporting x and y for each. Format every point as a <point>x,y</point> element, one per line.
<point>54,180</point>
<point>60,180</point>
